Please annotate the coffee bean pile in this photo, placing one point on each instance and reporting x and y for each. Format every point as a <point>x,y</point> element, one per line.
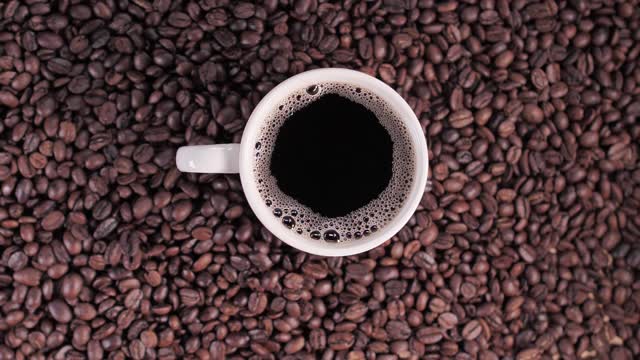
<point>525,248</point>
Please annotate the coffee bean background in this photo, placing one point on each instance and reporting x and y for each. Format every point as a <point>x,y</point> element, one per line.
<point>526,247</point>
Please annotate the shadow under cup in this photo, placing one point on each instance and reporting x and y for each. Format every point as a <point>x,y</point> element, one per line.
<point>262,117</point>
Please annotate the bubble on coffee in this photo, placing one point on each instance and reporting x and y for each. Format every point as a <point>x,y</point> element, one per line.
<point>358,223</point>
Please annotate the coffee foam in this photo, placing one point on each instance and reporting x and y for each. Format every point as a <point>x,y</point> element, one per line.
<point>361,222</point>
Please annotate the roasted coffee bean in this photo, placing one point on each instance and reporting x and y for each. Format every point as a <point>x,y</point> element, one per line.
<point>8,99</point>
<point>429,335</point>
<point>71,286</point>
<point>447,320</point>
<point>341,341</point>
<point>471,330</point>
<point>53,220</point>
<point>105,228</point>
<point>60,311</point>
<point>529,354</point>
<point>28,276</point>
<point>533,113</point>
<point>461,118</point>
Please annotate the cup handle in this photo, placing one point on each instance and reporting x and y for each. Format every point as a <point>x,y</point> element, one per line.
<point>212,159</point>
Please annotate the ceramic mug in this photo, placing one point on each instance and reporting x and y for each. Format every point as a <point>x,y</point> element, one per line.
<point>239,158</point>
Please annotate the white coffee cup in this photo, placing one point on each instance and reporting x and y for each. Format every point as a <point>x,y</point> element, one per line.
<point>238,158</point>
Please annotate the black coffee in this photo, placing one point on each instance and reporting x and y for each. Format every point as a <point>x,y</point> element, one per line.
<point>333,156</point>
<point>334,162</point>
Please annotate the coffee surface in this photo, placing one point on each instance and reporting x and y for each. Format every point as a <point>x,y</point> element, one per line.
<point>333,156</point>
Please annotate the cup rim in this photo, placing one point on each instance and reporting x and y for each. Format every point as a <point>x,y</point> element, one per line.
<point>301,81</point>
